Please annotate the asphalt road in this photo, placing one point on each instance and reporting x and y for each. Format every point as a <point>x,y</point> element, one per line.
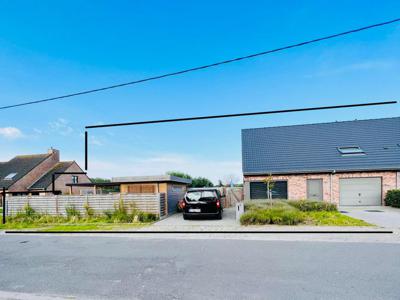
<point>32,267</point>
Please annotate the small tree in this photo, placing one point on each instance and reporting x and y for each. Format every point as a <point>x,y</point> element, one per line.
<point>270,185</point>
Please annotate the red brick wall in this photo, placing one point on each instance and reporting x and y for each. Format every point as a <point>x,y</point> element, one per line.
<point>62,180</point>
<point>297,184</point>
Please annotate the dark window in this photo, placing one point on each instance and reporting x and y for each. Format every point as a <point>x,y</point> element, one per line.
<point>279,190</point>
<point>75,179</point>
<point>258,190</point>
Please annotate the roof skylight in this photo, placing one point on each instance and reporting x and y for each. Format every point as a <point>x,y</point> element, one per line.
<point>10,176</point>
<point>353,150</point>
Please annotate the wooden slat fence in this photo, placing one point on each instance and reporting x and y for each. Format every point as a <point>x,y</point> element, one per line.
<point>55,205</point>
<point>233,195</point>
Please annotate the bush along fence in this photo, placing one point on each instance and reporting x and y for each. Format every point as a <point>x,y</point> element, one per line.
<point>393,198</point>
<point>61,205</point>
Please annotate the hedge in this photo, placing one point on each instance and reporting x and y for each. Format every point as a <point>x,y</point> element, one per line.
<point>306,205</point>
<point>276,216</point>
<point>393,198</point>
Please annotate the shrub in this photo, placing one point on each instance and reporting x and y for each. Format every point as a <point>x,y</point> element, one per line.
<point>306,205</point>
<point>279,216</point>
<point>147,217</point>
<point>108,214</point>
<point>392,198</point>
<point>120,213</point>
<point>263,204</point>
<point>28,210</point>
<point>72,211</point>
<point>89,212</point>
<point>27,215</point>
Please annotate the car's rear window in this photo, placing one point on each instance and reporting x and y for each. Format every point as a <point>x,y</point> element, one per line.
<point>197,195</point>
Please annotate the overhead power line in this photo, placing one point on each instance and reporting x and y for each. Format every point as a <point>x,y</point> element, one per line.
<point>241,114</point>
<point>202,67</point>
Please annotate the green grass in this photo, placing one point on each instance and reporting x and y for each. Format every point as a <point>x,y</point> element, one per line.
<point>331,218</point>
<point>93,227</point>
<point>72,226</point>
<point>279,212</point>
<point>117,219</point>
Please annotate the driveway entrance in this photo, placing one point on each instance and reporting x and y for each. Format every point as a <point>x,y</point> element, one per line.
<point>383,216</point>
<point>176,222</point>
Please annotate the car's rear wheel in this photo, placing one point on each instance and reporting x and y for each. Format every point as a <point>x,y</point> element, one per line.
<point>185,217</point>
<point>219,216</point>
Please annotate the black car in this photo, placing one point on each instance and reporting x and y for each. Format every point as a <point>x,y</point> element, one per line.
<point>202,202</point>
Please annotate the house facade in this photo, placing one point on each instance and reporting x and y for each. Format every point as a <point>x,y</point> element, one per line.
<point>33,174</point>
<point>347,163</point>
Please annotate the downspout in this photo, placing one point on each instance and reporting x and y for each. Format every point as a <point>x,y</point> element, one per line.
<point>330,185</point>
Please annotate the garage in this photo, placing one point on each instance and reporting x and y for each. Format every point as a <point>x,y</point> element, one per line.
<point>360,191</point>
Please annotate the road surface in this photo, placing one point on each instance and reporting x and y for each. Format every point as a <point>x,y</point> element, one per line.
<point>127,267</point>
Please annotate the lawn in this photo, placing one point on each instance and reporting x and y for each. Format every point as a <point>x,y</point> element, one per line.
<point>302,212</point>
<point>77,226</point>
<point>117,219</point>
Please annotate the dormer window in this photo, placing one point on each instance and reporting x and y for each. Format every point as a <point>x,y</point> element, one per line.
<point>10,176</point>
<point>353,150</point>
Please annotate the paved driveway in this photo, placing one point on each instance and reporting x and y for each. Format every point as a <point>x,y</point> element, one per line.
<point>176,222</point>
<point>382,216</point>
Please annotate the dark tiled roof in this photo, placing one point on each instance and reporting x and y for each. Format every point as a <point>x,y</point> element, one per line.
<point>46,180</point>
<point>21,165</point>
<point>313,147</point>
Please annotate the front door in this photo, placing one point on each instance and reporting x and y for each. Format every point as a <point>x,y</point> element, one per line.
<point>314,189</point>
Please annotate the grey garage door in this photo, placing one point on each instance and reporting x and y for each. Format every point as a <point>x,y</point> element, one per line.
<point>360,191</point>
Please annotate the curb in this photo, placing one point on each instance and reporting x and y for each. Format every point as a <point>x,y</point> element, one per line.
<point>206,232</point>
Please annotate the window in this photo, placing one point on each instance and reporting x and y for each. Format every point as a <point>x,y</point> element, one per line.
<point>75,179</point>
<point>10,176</point>
<point>259,190</point>
<point>353,150</point>
<point>197,195</point>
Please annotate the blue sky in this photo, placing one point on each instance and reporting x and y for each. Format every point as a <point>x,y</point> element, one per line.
<point>51,48</point>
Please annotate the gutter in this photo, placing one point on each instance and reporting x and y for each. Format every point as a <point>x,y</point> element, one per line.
<point>321,171</point>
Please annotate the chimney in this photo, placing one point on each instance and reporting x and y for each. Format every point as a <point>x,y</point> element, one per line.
<point>55,153</point>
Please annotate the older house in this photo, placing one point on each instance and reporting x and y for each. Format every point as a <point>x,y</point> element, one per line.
<point>32,174</point>
<point>348,163</point>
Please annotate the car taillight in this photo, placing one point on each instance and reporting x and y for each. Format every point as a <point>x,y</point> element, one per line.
<point>183,204</point>
<point>218,203</point>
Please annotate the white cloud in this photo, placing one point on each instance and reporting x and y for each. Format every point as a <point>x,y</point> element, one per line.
<point>95,141</point>
<point>369,65</point>
<point>61,126</point>
<point>10,132</point>
<point>160,164</point>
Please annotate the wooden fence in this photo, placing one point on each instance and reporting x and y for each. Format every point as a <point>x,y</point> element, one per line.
<point>233,195</point>
<point>55,205</point>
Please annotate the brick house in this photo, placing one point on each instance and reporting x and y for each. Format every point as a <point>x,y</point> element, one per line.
<point>347,163</point>
<point>32,174</point>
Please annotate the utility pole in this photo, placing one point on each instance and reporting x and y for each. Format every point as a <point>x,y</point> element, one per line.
<point>4,205</point>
